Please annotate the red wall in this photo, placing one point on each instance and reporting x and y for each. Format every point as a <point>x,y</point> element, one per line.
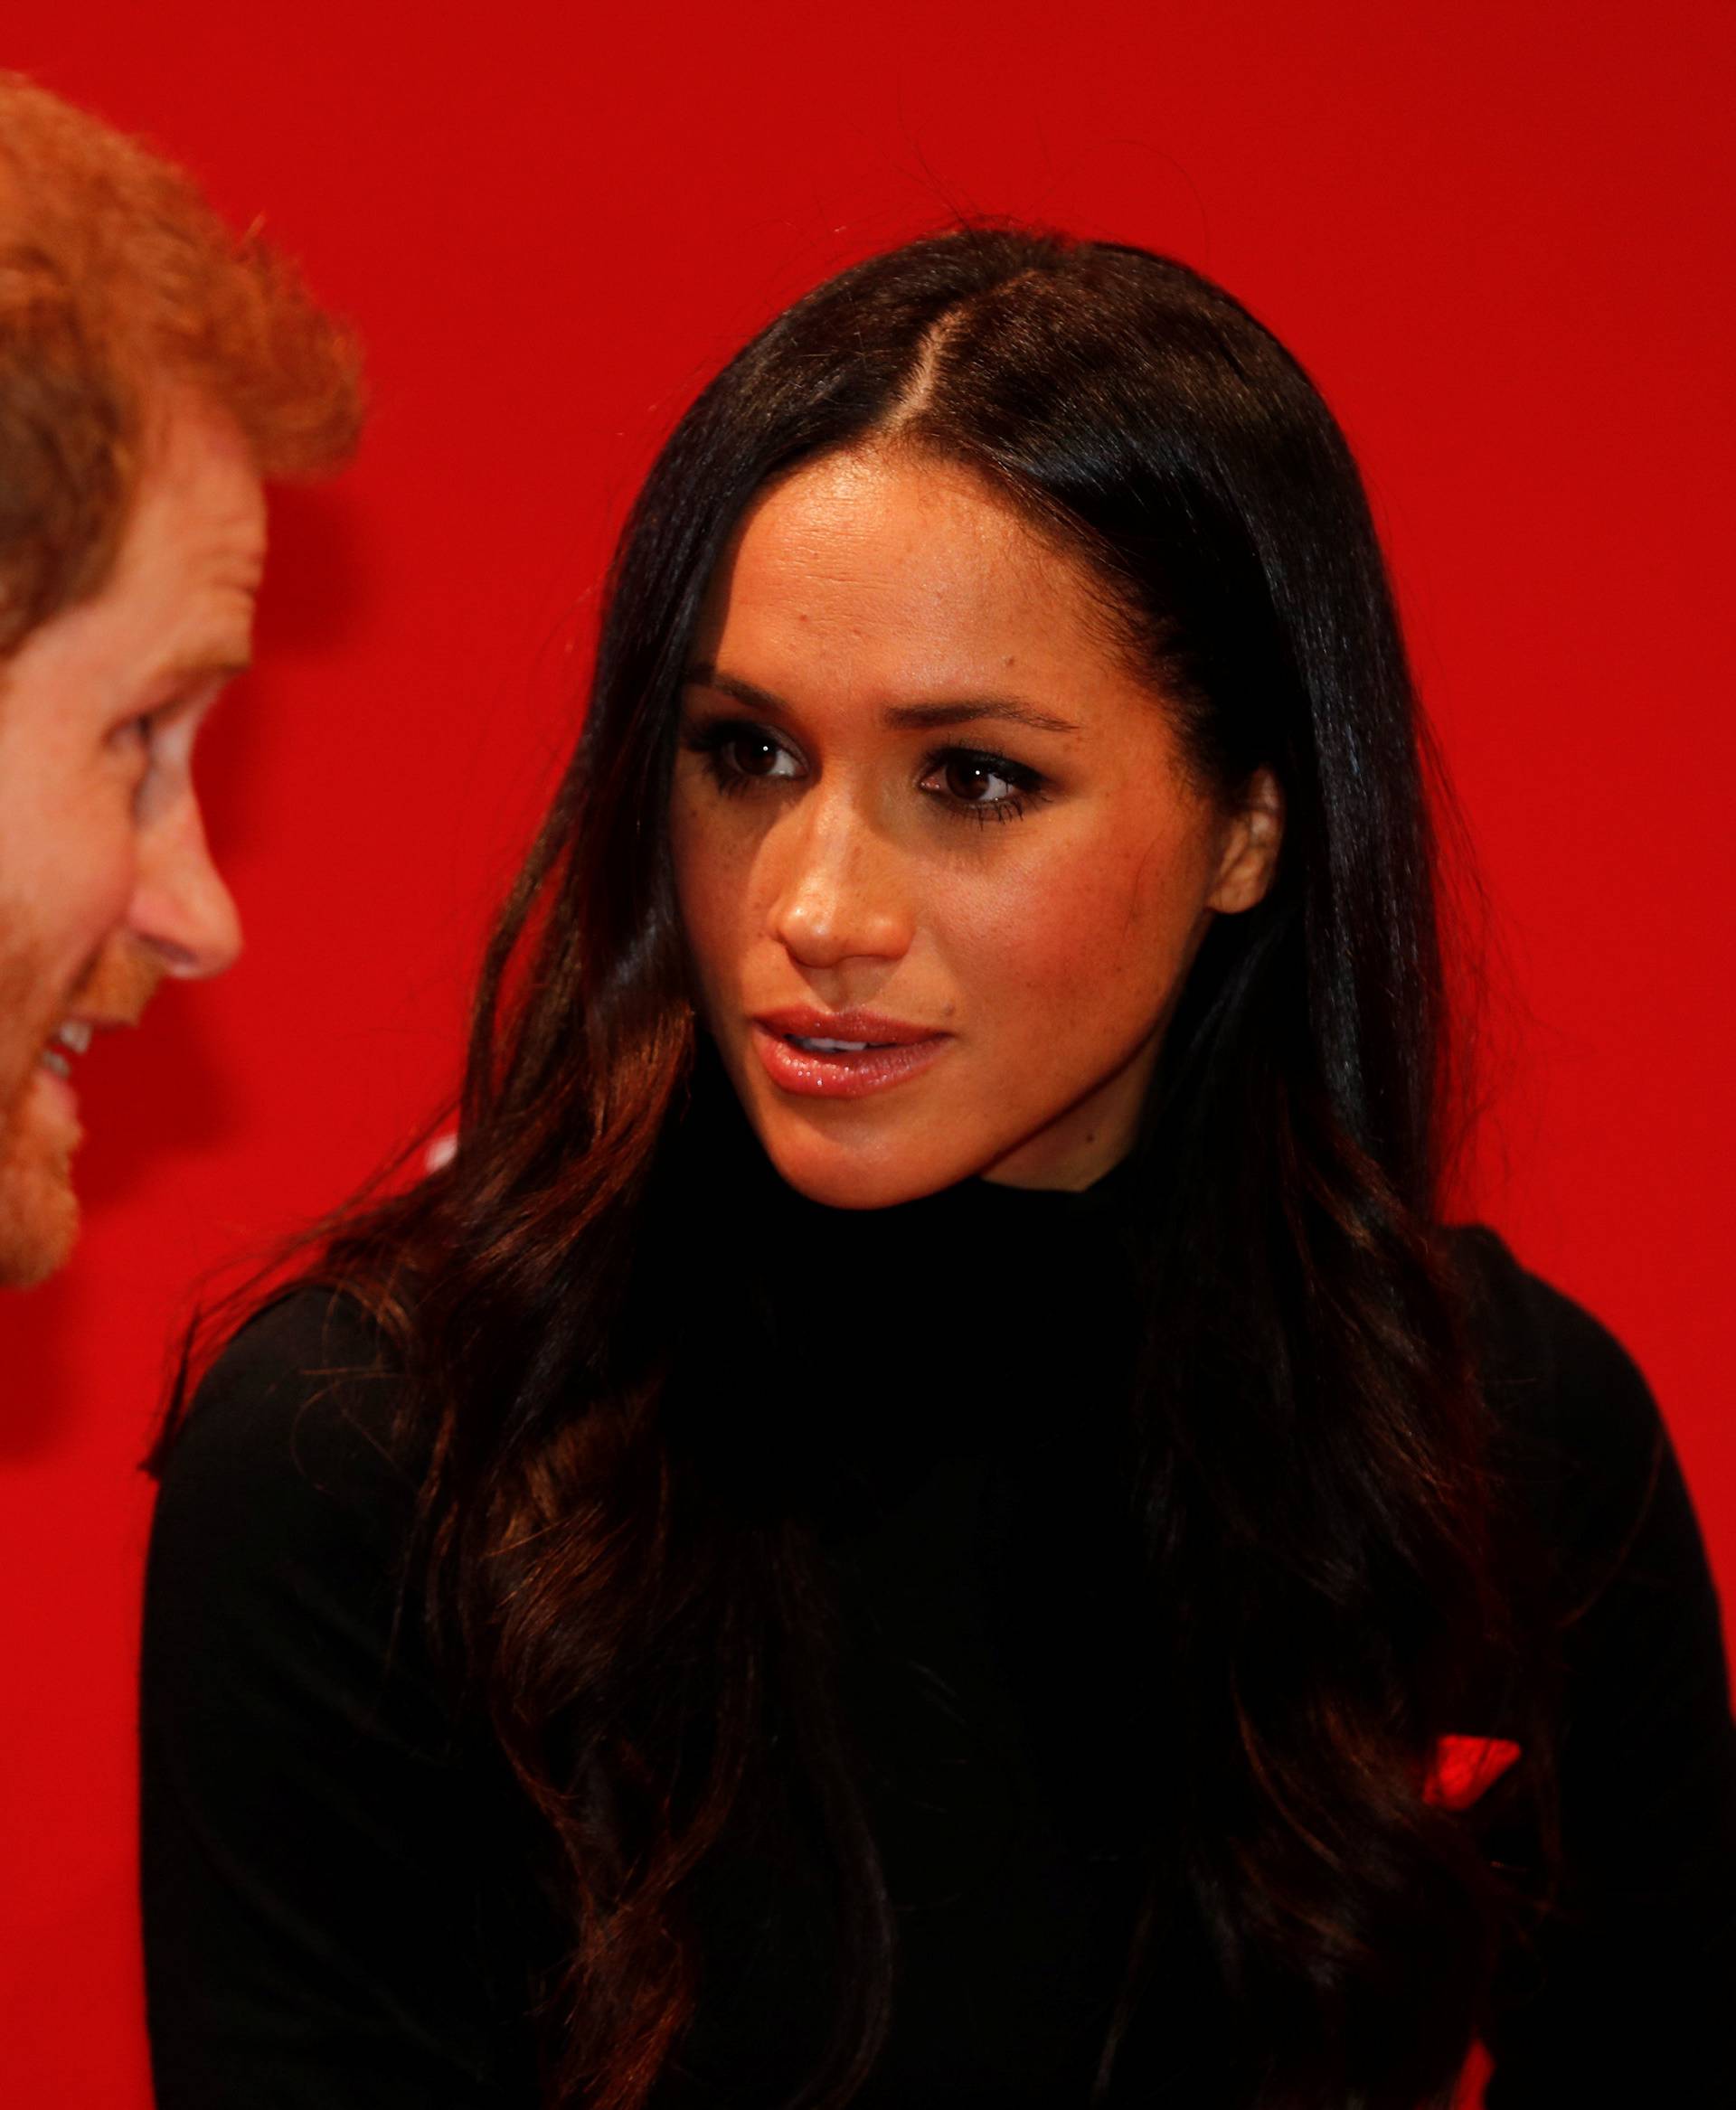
<point>1493,233</point>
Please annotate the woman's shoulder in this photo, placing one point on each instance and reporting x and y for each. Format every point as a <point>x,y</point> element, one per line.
<point>1534,1337</point>
<point>298,1427</point>
<point>1576,1424</point>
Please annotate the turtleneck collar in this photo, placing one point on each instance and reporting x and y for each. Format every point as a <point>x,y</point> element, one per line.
<point>724,1146</point>
<point>853,1347</point>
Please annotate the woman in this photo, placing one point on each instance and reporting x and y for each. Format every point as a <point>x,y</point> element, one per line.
<point>925,1511</point>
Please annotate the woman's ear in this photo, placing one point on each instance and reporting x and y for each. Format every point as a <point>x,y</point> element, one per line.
<point>1250,847</point>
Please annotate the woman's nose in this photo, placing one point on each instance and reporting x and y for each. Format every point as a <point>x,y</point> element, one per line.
<point>181,909</point>
<point>839,895</point>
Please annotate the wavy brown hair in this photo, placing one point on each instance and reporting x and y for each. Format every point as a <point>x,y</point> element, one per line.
<point>117,280</point>
<point>1315,1468</point>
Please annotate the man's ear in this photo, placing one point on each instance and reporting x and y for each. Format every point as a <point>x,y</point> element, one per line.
<point>1250,847</point>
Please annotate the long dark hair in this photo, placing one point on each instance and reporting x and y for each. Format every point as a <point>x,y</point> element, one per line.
<point>1314,1482</point>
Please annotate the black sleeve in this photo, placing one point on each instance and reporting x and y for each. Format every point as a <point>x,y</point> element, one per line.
<point>1628,1995</point>
<point>324,1917</point>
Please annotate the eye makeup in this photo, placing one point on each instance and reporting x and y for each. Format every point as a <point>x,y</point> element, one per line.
<point>740,754</point>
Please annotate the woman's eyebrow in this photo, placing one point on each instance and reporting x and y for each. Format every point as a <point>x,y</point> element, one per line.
<point>901,716</point>
<point>926,717</point>
<point>703,674</point>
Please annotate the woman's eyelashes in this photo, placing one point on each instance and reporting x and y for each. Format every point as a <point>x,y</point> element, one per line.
<point>739,754</point>
<point>982,786</point>
<point>966,783</point>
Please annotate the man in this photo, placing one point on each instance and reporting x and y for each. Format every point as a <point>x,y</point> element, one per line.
<point>153,371</point>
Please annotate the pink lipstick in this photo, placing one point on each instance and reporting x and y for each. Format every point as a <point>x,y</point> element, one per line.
<point>842,1054</point>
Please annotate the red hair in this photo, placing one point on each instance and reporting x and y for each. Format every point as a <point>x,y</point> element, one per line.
<point>118,281</point>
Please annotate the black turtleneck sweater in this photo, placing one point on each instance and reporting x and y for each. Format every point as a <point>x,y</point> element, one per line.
<point>342,1911</point>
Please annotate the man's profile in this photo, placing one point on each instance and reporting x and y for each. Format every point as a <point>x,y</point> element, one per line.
<point>154,371</point>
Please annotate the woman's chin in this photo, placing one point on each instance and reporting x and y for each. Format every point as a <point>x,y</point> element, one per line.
<point>837,1175</point>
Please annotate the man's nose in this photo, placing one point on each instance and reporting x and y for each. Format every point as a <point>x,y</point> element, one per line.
<point>840,893</point>
<point>181,909</point>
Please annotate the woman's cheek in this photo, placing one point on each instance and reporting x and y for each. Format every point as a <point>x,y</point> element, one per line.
<point>709,887</point>
<point>1057,928</point>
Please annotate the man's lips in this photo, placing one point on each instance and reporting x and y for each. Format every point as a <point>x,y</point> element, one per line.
<point>842,1054</point>
<point>72,1037</point>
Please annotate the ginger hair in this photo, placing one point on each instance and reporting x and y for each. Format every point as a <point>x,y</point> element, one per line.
<point>119,285</point>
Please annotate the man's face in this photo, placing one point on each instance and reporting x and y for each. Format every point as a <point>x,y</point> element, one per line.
<point>106,883</point>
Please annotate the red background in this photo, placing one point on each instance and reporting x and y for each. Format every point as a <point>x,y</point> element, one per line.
<point>1495,233</point>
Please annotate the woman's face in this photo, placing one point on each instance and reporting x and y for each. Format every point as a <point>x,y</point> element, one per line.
<point>941,867</point>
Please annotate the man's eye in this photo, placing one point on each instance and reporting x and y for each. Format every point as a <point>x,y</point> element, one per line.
<point>133,736</point>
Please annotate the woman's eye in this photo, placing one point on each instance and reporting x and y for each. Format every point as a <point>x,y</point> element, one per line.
<point>753,754</point>
<point>739,754</point>
<point>965,783</point>
<point>976,783</point>
<point>986,787</point>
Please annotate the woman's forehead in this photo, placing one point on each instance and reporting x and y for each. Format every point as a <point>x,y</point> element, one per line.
<point>905,572</point>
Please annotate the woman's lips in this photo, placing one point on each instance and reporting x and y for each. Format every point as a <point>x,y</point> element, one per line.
<point>895,1052</point>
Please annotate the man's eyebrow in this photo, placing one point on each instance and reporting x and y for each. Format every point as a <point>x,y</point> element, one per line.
<point>198,668</point>
<point>901,716</point>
